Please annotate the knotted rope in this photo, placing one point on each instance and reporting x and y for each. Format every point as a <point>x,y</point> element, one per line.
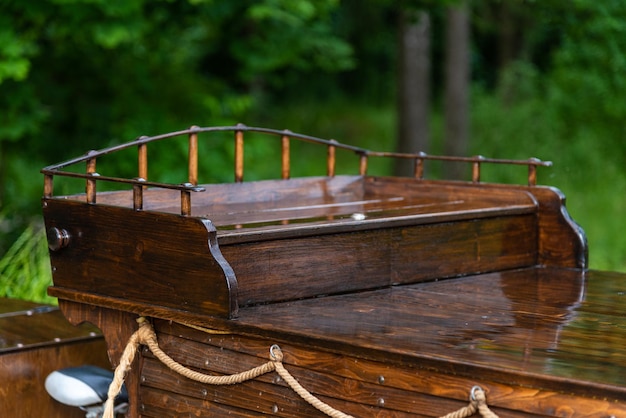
<point>145,335</point>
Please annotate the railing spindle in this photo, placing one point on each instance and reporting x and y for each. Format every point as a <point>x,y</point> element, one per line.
<point>418,170</point>
<point>138,195</point>
<point>286,164</point>
<point>48,185</point>
<point>532,172</point>
<point>142,159</point>
<point>363,164</point>
<point>185,201</point>
<point>239,156</point>
<point>193,157</point>
<point>476,169</point>
<point>90,187</point>
<point>330,160</point>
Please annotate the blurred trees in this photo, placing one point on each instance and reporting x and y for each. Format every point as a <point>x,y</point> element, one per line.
<point>413,91</point>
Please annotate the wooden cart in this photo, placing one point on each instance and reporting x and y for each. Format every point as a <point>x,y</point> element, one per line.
<point>387,296</point>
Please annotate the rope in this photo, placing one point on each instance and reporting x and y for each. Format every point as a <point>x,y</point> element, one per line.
<point>145,335</point>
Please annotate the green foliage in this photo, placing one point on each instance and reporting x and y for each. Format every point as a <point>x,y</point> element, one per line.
<point>25,268</point>
<point>89,73</point>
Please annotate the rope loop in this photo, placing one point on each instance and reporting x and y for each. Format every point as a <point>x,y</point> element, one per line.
<point>145,335</point>
<point>276,353</point>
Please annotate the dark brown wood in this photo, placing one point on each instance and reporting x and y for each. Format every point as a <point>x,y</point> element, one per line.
<point>368,259</point>
<point>388,296</point>
<point>111,252</point>
<point>118,326</point>
<point>35,340</point>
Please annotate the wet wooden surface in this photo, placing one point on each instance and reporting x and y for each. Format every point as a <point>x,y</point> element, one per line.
<point>563,329</point>
<point>35,340</point>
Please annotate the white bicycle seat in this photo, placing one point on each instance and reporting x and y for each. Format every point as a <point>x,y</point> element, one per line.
<point>85,387</point>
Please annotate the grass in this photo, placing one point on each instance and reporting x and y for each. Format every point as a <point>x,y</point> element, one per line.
<point>25,268</point>
<point>590,174</point>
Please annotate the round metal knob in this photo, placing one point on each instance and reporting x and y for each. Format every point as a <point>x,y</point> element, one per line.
<point>57,238</point>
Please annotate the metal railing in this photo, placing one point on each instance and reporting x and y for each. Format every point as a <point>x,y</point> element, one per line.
<point>139,183</point>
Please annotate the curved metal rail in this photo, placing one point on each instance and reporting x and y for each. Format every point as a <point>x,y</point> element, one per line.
<point>138,183</point>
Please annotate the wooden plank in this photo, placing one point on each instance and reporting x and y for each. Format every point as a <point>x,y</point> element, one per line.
<point>354,385</point>
<point>299,268</point>
<point>141,256</point>
<point>42,326</point>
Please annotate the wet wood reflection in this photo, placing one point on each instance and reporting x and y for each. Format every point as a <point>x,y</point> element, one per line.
<point>545,321</point>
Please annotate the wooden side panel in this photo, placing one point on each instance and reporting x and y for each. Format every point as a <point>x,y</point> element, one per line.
<point>562,242</point>
<point>161,259</point>
<point>446,191</point>
<point>355,386</point>
<point>329,264</point>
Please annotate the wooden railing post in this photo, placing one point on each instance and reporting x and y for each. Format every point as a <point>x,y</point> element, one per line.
<point>239,155</point>
<point>193,157</point>
<point>142,159</point>
<point>532,172</point>
<point>476,169</point>
<point>185,201</point>
<point>138,195</point>
<point>330,160</point>
<point>418,170</point>
<point>363,164</point>
<point>48,185</point>
<point>90,187</point>
<point>285,153</point>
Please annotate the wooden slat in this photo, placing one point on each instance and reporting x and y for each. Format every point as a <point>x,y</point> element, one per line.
<point>27,325</point>
<point>338,263</point>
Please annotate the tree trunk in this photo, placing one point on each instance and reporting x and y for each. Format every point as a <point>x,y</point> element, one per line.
<point>413,109</point>
<point>457,74</point>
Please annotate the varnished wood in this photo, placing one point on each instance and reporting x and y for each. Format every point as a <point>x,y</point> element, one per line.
<point>119,257</point>
<point>389,296</point>
<point>359,260</point>
<point>35,340</point>
<point>117,327</point>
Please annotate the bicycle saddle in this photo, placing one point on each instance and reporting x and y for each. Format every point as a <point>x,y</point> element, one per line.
<point>84,386</point>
